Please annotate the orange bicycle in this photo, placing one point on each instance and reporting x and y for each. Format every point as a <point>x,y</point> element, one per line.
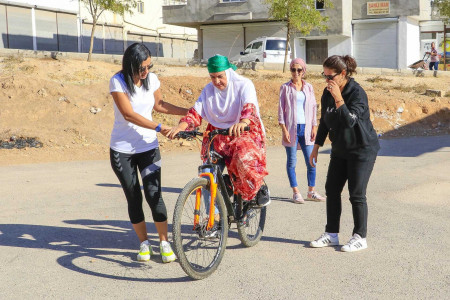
<point>205,210</point>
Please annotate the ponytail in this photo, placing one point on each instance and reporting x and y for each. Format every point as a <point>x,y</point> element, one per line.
<point>339,63</point>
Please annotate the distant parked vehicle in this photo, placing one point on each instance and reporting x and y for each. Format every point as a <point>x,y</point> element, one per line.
<point>265,49</point>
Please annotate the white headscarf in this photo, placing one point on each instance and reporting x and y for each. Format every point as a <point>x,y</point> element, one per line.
<point>222,109</point>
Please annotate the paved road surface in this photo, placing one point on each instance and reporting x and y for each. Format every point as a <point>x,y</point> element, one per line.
<point>64,234</point>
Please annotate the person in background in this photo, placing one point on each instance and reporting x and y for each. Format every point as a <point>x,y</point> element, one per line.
<point>297,109</point>
<point>434,59</point>
<point>345,119</point>
<point>134,144</point>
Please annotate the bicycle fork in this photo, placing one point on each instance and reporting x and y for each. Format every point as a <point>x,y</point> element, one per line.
<point>198,199</point>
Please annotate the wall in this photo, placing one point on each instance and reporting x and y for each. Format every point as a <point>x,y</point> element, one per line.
<point>339,45</point>
<point>412,43</point>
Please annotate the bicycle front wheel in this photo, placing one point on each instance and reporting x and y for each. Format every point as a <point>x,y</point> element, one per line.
<point>199,250</point>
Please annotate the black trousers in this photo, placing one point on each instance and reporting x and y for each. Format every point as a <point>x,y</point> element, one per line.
<point>126,168</point>
<point>357,173</point>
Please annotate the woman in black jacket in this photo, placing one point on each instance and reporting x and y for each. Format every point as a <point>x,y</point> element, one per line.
<point>345,118</point>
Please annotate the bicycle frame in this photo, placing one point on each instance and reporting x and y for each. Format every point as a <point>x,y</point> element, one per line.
<point>213,174</point>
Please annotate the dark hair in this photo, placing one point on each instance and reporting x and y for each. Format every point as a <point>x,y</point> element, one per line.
<point>131,62</point>
<point>339,63</point>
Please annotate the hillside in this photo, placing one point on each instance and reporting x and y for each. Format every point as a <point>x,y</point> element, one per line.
<point>65,105</point>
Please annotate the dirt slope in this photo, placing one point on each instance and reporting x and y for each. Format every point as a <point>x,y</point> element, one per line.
<point>65,104</point>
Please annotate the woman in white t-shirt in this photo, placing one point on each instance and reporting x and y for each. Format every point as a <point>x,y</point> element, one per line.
<point>134,144</point>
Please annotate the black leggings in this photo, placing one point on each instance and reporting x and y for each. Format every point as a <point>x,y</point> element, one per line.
<point>357,173</point>
<point>149,164</point>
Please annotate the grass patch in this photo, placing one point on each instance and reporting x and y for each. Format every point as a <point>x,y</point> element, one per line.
<point>419,89</point>
<point>276,76</point>
<point>313,76</point>
<point>11,61</point>
<point>378,79</point>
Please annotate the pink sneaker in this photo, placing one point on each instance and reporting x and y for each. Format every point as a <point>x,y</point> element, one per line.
<point>315,196</point>
<point>297,198</point>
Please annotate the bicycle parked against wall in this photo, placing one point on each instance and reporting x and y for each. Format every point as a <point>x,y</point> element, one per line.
<point>205,210</point>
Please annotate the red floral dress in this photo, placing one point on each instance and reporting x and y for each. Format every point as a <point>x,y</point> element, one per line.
<point>245,156</point>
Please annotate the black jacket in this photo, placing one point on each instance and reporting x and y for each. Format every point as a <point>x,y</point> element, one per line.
<point>349,127</point>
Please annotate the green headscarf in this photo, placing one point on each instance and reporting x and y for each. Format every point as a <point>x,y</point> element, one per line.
<point>219,63</point>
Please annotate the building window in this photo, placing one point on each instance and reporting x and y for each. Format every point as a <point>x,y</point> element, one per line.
<point>319,4</point>
<point>140,7</point>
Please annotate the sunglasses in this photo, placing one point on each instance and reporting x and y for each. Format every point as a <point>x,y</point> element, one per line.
<point>299,70</point>
<point>329,77</point>
<point>143,69</point>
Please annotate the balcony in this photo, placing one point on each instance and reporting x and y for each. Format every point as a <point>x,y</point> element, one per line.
<point>204,12</point>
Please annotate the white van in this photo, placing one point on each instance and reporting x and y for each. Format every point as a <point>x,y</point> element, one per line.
<point>265,49</point>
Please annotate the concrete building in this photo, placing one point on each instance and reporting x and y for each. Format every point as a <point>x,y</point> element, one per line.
<point>65,25</point>
<point>382,34</point>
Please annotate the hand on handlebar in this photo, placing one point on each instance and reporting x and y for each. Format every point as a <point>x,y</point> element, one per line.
<point>173,132</point>
<point>165,130</point>
<point>237,129</point>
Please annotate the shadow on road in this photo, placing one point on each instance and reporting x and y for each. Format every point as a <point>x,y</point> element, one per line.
<point>411,146</point>
<point>163,189</point>
<point>83,248</point>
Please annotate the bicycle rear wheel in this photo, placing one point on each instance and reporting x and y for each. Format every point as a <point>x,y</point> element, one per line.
<point>251,227</point>
<point>199,251</point>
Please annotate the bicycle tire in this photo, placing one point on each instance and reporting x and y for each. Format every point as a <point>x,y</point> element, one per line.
<point>199,256</point>
<point>251,227</point>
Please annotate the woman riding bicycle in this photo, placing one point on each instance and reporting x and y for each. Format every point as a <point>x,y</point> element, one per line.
<point>230,101</point>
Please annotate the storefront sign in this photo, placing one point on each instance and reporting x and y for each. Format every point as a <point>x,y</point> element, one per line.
<point>378,8</point>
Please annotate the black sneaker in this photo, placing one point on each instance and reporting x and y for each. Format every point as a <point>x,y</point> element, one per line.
<point>263,196</point>
<point>214,232</point>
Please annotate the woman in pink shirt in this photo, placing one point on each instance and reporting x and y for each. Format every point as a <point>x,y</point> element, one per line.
<point>297,118</point>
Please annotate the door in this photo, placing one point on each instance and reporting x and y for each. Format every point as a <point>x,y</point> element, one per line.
<point>316,51</point>
<point>375,44</point>
<point>257,51</point>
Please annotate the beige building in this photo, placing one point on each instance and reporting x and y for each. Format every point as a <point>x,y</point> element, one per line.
<point>65,25</point>
<point>385,34</point>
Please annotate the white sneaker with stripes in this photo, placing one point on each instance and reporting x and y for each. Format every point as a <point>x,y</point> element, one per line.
<point>356,243</point>
<point>325,240</point>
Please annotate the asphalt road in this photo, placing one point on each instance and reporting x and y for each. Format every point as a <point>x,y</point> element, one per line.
<point>65,234</point>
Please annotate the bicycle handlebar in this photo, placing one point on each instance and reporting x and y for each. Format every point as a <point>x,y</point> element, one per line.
<point>194,133</point>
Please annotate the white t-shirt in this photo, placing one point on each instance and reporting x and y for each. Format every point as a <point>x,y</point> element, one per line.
<point>127,137</point>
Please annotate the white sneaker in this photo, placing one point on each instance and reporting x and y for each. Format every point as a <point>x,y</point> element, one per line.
<point>145,251</point>
<point>356,243</point>
<point>297,198</point>
<point>315,196</point>
<point>325,240</point>
<point>167,254</point>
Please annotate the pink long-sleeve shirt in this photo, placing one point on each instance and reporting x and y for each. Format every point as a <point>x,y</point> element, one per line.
<point>287,111</point>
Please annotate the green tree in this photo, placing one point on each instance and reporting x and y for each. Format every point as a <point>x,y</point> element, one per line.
<point>444,9</point>
<point>299,15</point>
<point>97,7</point>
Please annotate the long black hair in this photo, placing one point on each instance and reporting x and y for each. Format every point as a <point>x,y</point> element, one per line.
<point>131,62</point>
<point>339,63</point>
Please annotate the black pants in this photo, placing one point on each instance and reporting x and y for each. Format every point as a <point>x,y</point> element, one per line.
<point>149,163</point>
<point>357,173</point>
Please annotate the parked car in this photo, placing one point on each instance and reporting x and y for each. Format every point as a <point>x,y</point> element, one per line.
<point>265,49</point>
